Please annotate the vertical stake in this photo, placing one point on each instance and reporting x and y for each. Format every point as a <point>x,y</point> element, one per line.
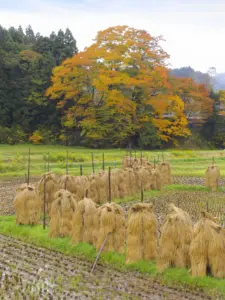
<point>103,161</point>
<point>48,163</point>
<point>67,158</point>
<point>142,192</point>
<point>93,166</point>
<point>207,206</point>
<point>163,157</point>
<point>130,158</point>
<point>213,160</point>
<point>110,195</point>
<point>28,168</point>
<point>115,162</point>
<point>135,153</point>
<point>141,157</point>
<point>154,162</point>
<point>81,170</point>
<point>44,219</point>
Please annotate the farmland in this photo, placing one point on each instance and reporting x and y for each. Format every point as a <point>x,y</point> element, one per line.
<point>69,276</point>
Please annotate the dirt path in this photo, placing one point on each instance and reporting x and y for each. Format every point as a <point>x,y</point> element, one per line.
<point>43,274</point>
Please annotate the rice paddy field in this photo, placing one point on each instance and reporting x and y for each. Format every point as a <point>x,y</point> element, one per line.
<point>32,266</point>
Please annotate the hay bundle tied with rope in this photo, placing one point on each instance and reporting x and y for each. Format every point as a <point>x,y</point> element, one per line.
<point>27,205</point>
<point>111,220</point>
<point>52,186</point>
<point>62,210</point>
<point>85,222</point>
<point>141,233</point>
<point>212,177</point>
<point>165,171</point>
<point>174,243</point>
<point>207,250</point>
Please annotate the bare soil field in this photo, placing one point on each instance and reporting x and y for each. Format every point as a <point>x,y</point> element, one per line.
<point>28,272</point>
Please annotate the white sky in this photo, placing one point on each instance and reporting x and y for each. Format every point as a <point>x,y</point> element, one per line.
<point>194,30</point>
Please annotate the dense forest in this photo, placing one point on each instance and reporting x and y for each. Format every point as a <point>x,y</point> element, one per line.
<point>116,93</point>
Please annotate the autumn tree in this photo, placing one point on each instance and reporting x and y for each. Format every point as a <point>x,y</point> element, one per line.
<point>196,97</point>
<point>116,86</point>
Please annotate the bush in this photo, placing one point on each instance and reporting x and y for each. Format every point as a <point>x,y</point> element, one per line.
<point>13,135</point>
<point>43,136</point>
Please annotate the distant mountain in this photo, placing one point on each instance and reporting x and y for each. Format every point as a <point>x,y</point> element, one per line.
<point>217,82</point>
<point>188,72</point>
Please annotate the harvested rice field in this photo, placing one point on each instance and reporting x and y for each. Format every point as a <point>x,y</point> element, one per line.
<point>61,277</point>
<point>35,266</point>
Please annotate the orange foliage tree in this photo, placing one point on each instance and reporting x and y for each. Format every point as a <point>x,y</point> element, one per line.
<point>197,103</point>
<point>116,86</point>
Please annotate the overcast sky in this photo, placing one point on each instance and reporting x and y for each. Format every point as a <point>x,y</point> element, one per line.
<point>194,30</point>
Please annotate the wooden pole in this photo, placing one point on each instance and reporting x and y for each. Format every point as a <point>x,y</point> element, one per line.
<point>67,158</point>
<point>28,168</point>
<point>163,157</point>
<point>115,162</point>
<point>103,161</point>
<point>48,163</point>
<point>100,251</point>
<point>110,195</point>
<point>142,192</point>
<point>207,205</point>
<point>213,160</point>
<point>81,170</point>
<point>141,157</point>
<point>130,158</point>
<point>93,165</point>
<point>44,219</point>
<point>154,162</point>
<point>26,178</point>
<point>86,194</point>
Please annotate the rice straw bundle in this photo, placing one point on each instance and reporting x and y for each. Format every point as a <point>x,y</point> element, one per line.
<point>82,185</point>
<point>92,189</point>
<point>156,179</point>
<point>102,187</point>
<point>27,205</point>
<point>174,243</point>
<point>212,177</point>
<point>141,233</point>
<point>207,250</point>
<point>122,187</point>
<point>165,171</point>
<point>85,222</point>
<point>52,186</point>
<point>62,210</point>
<point>68,182</point>
<point>111,220</point>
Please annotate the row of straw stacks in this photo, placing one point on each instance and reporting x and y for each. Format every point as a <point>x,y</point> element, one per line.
<point>124,182</point>
<point>200,247</point>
